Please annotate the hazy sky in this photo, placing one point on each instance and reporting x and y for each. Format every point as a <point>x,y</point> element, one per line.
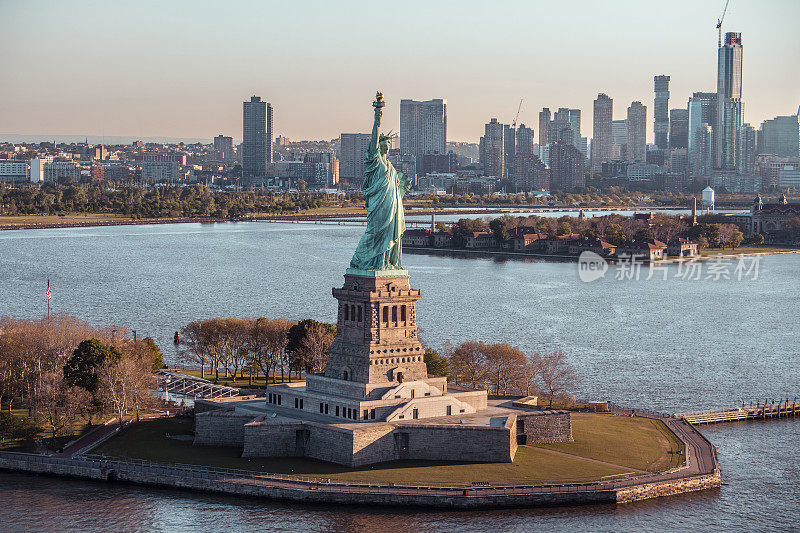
<point>182,69</point>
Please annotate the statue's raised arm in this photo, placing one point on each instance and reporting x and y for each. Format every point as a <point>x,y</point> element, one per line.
<point>376,125</point>
<point>381,246</point>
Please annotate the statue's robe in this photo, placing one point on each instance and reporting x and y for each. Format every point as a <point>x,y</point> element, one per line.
<point>381,248</point>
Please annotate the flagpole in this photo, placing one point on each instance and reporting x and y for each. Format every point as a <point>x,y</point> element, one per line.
<point>48,298</point>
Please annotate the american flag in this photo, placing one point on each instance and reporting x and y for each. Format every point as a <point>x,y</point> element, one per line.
<point>47,292</point>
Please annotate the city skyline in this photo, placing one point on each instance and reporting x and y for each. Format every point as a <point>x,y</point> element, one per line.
<point>107,83</point>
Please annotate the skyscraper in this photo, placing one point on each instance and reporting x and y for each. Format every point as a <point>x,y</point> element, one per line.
<point>601,131</point>
<point>729,101</point>
<point>567,167</point>
<point>351,156</point>
<point>223,148</point>
<point>493,149</point>
<point>780,136</point>
<point>637,132</point>
<point>509,148</point>
<point>746,163</point>
<point>524,140</point>
<point>544,123</point>
<point>678,128</point>
<point>661,110</point>
<point>423,127</point>
<point>619,139</point>
<point>256,137</point>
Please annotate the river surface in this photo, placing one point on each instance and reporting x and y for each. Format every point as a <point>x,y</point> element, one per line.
<point>667,344</point>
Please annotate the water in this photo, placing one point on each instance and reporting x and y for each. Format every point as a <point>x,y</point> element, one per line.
<point>670,344</point>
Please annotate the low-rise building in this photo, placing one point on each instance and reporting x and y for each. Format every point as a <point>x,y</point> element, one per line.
<point>560,244</point>
<point>442,239</point>
<point>598,246</point>
<point>645,251</point>
<point>681,247</point>
<point>417,237</point>
<point>479,240</point>
<point>14,171</point>
<point>530,242</point>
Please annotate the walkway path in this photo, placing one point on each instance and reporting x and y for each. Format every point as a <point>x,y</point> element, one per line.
<point>597,461</point>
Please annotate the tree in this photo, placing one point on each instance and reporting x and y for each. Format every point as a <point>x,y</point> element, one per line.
<point>155,355</point>
<point>313,350</point>
<point>504,366</point>
<point>644,234</point>
<point>87,359</point>
<point>468,364</point>
<point>756,239</point>
<point>613,234</point>
<point>293,353</point>
<point>60,404</point>
<point>125,384</point>
<point>499,227</point>
<point>268,339</point>
<point>436,364</point>
<point>194,345</point>
<point>557,374</point>
<point>14,427</point>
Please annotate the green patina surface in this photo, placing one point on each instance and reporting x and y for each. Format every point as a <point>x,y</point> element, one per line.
<point>381,246</point>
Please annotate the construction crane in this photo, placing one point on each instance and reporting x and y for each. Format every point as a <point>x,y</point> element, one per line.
<point>719,24</point>
<point>519,108</point>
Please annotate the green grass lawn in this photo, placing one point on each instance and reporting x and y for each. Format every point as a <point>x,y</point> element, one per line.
<point>629,442</point>
<point>633,442</point>
<point>258,382</point>
<point>21,445</point>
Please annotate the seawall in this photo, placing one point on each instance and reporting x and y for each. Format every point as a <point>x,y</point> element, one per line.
<point>274,487</point>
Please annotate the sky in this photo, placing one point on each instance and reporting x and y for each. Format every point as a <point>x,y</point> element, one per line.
<point>181,69</point>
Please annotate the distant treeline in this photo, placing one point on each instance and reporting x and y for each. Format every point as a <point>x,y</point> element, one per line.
<point>159,202</point>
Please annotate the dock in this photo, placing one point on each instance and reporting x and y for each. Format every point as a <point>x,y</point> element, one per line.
<point>784,408</point>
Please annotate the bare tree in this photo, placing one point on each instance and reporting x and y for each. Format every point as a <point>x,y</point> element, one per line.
<point>558,376</point>
<point>268,339</point>
<point>314,348</point>
<point>468,364</point>
<point>61,406</point>
<point>125,385</point>
<point>505,365</point>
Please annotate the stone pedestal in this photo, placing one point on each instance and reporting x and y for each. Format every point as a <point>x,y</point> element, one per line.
<point>376,340</point>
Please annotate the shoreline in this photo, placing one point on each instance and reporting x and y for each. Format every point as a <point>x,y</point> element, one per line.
<point>333,217</point>
<point>700,471</point>
<point>422,250</point>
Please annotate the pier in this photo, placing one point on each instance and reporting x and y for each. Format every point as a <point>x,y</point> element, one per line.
<point>767,410</point>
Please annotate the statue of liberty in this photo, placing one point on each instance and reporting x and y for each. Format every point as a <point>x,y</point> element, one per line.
<point>381,246</point>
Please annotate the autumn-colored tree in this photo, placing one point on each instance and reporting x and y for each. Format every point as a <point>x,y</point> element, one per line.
<point>313,350</point>
<point>557,375</point>
<point>505,366</point>
<point>468,364</point>
<point>268,340</point>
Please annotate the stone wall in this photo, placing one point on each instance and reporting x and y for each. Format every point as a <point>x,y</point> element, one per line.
<point>646,491</point>
<point>265,486</point>
<point>263,438</point>
<point>459,443</point>
<point>220,428</point>
<point>542,427</point>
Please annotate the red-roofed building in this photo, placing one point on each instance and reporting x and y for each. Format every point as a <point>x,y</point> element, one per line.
<point>647,251</point>
<point>597,246</point>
